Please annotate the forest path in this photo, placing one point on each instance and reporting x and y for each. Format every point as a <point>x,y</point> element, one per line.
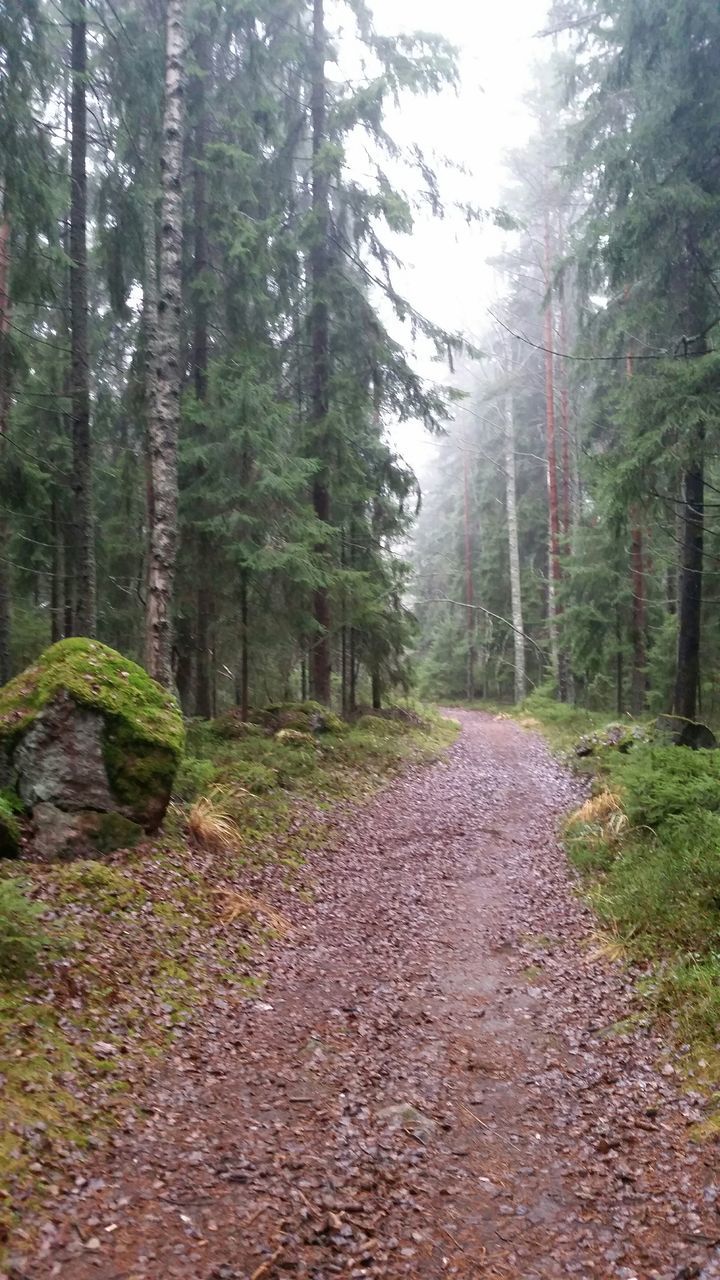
<point>432,1084</point>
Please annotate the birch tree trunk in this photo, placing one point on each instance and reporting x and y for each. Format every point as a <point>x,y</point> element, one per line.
<point>84,621</point>
<point>164,407</point>
<point>514,550</point>
<point>321,664</point>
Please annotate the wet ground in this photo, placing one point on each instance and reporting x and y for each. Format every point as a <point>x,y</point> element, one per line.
<point>439,1078</point>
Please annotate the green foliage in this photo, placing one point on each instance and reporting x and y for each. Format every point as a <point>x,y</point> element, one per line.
<point>22,938</point>
<point>193,778</point>
<point>9,829</point>
<point>257,778</point>
<point>660,783</point>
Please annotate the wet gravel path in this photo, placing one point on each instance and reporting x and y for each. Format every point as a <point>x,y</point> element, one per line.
<point>433,1082</point>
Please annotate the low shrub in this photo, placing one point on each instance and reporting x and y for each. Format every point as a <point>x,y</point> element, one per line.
<point>193,778</point>
<point>661,782</point>
<point>257,778</point>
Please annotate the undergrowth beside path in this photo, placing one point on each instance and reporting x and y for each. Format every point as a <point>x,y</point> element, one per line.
<point>647,845</point>
<point>103,963</point>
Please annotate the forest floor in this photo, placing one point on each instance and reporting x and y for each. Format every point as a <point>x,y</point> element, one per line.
<point>447,1073</point>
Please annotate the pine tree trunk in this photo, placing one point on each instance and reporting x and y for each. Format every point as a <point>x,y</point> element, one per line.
<point>57,582</point>
<point>376,687</point>
<point>514,551</point>
<point>204,595</point>
<point>639,675</point>
<point>83,562</point>
<point>5,383</point>
<point>203,647</point>
<point>638,682</point>
<point>469,601</point>
<point>244,650</point>
<point>687,675</point>
<point>164,409</point>
<point>619,665</point>
<point>565,429</point>
<point>321,667</point>
<point>352,702</point>
<point>554,568</point>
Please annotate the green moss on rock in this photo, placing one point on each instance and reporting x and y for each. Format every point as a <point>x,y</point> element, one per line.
<point>98,677</point>
<point>9,831</point>
<point>142,729</point>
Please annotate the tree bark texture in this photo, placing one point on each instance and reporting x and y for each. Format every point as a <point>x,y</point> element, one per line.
<point>469,601</point>
<point>5,375</point>
<point>687,676</point>
<point>200,354</point>
<point>164,409</point>
<point>83,559</point>
<point>321,662</point>
<point>514,550</point>
<point>555,571</point>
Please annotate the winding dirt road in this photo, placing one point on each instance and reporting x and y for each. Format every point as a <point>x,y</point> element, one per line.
<point>436,1081</point>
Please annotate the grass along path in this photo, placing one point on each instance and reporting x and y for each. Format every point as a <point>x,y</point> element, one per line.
<point>647,845</point>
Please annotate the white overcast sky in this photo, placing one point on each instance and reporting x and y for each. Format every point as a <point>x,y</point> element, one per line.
<point>446,274</point>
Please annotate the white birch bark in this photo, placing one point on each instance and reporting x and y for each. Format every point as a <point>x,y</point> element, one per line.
<point>164,386</point>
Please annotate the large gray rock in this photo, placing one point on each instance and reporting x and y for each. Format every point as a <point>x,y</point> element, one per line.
<point>60,759</point>
<point>676,731</point>
<point>90,745</point>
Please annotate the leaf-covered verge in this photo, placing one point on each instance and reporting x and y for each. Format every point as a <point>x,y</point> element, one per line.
<point>106,961</point>
<point>647,844</point>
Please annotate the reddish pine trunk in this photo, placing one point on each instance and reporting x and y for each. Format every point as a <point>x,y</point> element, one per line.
<point>565,429</point>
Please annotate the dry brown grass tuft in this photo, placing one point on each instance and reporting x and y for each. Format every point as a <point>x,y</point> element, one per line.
<point>237,904</point>
<point>598,808</point>
<point>529,722</point>
<point>607,944</point>
<point>211,824</point>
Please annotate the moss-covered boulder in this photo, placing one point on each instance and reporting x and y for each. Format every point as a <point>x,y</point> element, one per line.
<point>616,737</point>
<point>677,731</point>
<point>90,744</point>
